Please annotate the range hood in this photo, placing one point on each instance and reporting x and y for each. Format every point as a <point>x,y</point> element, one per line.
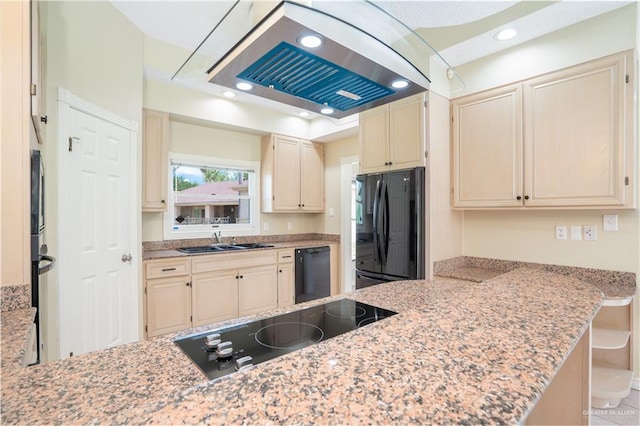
<point>350,71</point>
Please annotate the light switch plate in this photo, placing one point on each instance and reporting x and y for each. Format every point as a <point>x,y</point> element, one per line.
<point>609,222</point>
<point>561,232</point>
<point>576,233</point>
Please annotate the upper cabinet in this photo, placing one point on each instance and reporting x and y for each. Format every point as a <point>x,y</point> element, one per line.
<point>16,133</point>
<point>36,87</point>
<point>154,161</point>
<point>487,148</point>
<point>561,140</point>
<point>292,175</point>
<point>393,136</point>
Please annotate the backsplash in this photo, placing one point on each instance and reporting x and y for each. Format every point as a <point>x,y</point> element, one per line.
<point>14,297</point>
<point>265,239</point>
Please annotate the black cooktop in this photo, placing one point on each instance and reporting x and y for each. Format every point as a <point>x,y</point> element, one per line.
<point>223,351</point>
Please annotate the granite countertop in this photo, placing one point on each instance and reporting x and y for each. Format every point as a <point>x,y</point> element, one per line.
<point>457,352</point>
<point>166,253</point>
<point>16,326</point>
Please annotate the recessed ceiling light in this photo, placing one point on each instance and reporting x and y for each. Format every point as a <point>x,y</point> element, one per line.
<point>506,34</point>
<point>327,110</point>
<point>244,86</point>
<point>303,114</point>
<point>228,94</point>
<point>310,40</point>
<point>399,84</point>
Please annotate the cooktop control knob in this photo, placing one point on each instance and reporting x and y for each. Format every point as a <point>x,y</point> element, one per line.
<point>212,341</point>
<point>225,350</point>
<point>244,363</point>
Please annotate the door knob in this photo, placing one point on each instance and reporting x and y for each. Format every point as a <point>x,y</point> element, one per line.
<point>126,257</point>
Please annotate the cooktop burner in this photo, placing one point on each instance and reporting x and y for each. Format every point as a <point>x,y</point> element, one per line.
<point>222,351</point>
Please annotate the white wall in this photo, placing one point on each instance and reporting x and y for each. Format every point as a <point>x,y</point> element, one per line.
<point>93,51</point>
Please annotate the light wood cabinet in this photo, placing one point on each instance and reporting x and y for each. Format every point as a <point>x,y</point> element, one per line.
<point>292,175</point>
<point>577,124</point>
<point>214,296</point>
<point>487,148</point>
<point>286,278</point>
<point>192,291</point>
<point>392,136</point>
<point>257,289</point>
<point>155,165</point>
<point>168,296</point>
<point>36,88</point>
<point>561,140</point>
<point>16,132</point>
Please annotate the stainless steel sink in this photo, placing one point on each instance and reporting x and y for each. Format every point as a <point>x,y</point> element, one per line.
<point>254,245</point>
<point>210,249</point>
<point>214,248</point>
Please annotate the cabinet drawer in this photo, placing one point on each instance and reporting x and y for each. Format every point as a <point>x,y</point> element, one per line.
<point>167,268</point>
<point>222,261</point>
<point>285,256</point>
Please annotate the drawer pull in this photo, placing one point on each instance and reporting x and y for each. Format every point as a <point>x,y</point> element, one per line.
<point>168,269</point>
<point>286,257</point>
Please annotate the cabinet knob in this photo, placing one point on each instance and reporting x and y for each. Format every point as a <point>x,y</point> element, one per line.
<point>386,163</point>
<point>162,201</point>
<point>241,277</point>
<point>526,197</point>
<point>390,163</point>
<point>518,198</point>
<point>280,271</point>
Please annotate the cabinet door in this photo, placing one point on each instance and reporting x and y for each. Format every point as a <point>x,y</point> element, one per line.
<point>214,296</point>
<point>258,289</point>
<point>286,174</point>
<point>487,149</point>
<point>407,133</point>
<point>154,161</point>
<point>312,177</point>
<point>286,279</point>
<point>168,305</point>
<point>575,135</point>
<point>374,140</point>
<point>36,71</point>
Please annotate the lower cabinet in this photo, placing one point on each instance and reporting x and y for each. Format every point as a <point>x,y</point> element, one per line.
<point>286,279</point>
<point>193,291</point>
<point>211,296</point>
<point>168,305</point>
<point>257,289</point>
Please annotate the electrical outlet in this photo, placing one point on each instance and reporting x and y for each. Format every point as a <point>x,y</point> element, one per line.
<point>289,226</point>
<point>561,232</point>
<point>609,222</point>
<point>576,233</point>
<point>265,226</point>
<point>590,233</point>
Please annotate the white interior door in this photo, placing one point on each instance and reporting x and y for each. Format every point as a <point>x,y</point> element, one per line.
<point>98,291</point>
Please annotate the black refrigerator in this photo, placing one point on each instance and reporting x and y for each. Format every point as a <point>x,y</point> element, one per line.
<point>390,217</point>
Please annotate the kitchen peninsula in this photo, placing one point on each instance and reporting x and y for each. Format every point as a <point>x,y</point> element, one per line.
<point>457,352</point>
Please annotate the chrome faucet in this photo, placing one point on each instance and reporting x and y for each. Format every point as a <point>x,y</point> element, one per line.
<point>216,237</point>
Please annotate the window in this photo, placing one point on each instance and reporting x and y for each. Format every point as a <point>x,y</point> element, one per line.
<point>208,195</point>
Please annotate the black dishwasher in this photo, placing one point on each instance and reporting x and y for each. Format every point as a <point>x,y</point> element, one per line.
<point>313,277</point>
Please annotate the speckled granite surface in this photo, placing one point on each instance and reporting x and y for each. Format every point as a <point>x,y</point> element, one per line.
<point>265,239</point>
<point>149,254</point>
<point>15,327</point>
<point>13,297</point>
<point>458,352</point>
<point>613,284</point>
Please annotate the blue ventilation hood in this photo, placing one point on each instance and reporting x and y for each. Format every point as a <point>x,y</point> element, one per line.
<point>349,72</point>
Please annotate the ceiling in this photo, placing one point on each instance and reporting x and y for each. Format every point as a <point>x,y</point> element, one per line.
<point>460,31</point>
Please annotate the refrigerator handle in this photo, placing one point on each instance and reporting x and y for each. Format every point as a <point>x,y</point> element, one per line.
<point>384,202</point>
<point>376,218</point>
